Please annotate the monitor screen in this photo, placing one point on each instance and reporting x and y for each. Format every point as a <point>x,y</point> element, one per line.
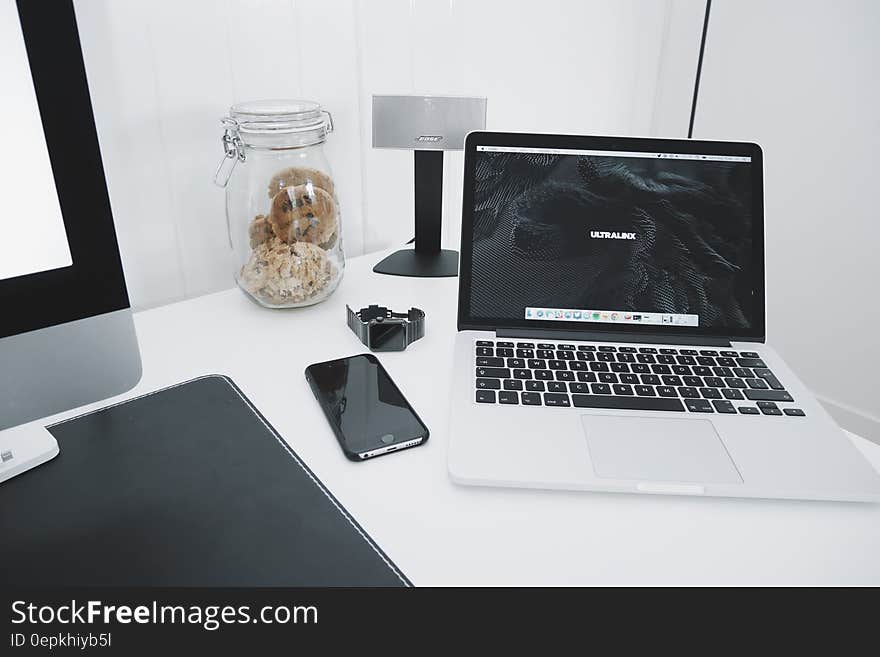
<point>613,237</point>
<point>32,233</point>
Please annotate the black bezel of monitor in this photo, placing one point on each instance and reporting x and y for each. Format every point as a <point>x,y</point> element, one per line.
<point>94,284</point>
<point>465,322</point>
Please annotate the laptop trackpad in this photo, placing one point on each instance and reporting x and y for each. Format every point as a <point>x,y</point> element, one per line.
<point>658,449</point>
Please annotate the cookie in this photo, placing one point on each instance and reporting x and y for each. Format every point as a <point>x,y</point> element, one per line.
<point>260,230</point>
<point>303,214</point>
<point>294,176</point>
<point>279,273</point>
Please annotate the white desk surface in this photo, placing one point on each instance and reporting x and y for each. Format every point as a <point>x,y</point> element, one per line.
<point>439,533</point>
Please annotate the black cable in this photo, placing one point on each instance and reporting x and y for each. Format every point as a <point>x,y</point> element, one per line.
<point>699,69</point>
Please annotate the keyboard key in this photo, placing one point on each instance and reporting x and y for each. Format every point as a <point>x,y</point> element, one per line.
<point>606,347</point>
<point>714,382</point>
<point>605,358</point>
<point>543,375</point>
<point>651,379</point>
<point>687,393</point>
<point>586,347</point>
<point>702,370</point>
<point>729,354</point>
<point>525,345</point>
<point>681,370</point>
<point>489,384</point>
<point>771,411</point>
<point>627,350</point>
<point>585,356</point>
<point>525,353</point>
<point>535,386</point>
<point>556,386</point>
<point>735,383</point>
<point>768,395</point>
<point>708,352</point>
<point>564,375</point>
<point>582,388</point>
<point>645,391</point>
<point>667,360</point>
<point>607,377</point>
<point>543,345</point>
<point>508,397</point>
<point>537,363</point>
<point>565,347</point>
<point>531,399</point>
<point>767,404</point>
<point>768,376</point>
<point>639,368</point>
<point>495,372</point>
<point>705,360</point>
<point>726,362</point>
<point>669,351</point>
<point>646,358</point>
<point>488,361</point>
<point>485,396</point>
<point>796,412</point>
<point>688,352</point>
<point>554,399</point>
<point>516,362</point>
<point>485,351</point>
<point>596,366</point>
<point>722,371</point>
<point>545,353</point>
<point>507,353</point>
<point>513,384</point>
<point>629,378</point>
<point>723,406</point>
<point>601,389</point>
<point>586,377</point>
<point>749,354</point>
<point>672,380</point>
<point>522,374</point>
<point>686,360</point>
<point>485,343</point>
<point>565,355</point>
<point>743,372</point>
<point>622,389</point>
<point>504,344</point>
<point>625,358</point>
<point>661,369</point>
<point>647,350</point>
<point>557,365</point>
<point>666,391</point>
<point>698,406</point>
<point>627,403</point>
<point>758,384</point>
<point>619,367</point>
<point>577,366</point>
<point>750,362</point>
<point>710,393</point>
<point>730,393</point>
<point>748,410</point>
<point>693,381</point>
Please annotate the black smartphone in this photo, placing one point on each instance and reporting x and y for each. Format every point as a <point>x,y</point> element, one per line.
<point>365,409</point>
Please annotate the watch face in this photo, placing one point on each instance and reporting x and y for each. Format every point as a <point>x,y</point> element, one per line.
<point>389,335</point>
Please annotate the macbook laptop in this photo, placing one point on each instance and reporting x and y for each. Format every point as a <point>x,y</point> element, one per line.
<point>611,327</point>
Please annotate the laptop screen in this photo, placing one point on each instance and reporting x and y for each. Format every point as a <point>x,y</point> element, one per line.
<point>616,238</point>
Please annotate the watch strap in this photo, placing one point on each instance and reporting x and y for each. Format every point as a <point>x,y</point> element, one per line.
<point>359,321</point>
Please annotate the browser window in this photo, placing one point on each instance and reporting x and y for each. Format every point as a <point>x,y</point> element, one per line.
<point>32,234</point>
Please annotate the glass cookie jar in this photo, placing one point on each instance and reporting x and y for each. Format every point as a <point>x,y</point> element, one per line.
<point>282,210</point>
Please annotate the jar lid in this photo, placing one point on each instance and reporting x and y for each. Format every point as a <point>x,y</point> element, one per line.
<point>279,117</point>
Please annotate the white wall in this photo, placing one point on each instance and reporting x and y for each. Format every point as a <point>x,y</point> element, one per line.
<point>800,78</point>
<point>163,72</point>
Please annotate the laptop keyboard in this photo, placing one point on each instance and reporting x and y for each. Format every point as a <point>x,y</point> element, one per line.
<point>628,377</point>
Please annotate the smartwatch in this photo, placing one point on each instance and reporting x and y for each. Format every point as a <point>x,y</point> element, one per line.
<point>380,329</point>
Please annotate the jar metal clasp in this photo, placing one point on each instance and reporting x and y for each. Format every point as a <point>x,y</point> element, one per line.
<point>233,153</point>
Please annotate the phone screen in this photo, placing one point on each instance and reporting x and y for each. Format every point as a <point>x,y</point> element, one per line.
<point>363,404</point>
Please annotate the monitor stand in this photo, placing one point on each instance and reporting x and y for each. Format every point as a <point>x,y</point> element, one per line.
<point>25,447</point>
<point>427,259</point>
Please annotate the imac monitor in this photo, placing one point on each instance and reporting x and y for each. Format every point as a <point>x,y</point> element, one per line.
<point>66,331</point>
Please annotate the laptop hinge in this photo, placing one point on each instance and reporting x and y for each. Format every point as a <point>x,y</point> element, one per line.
<point>615,336</point>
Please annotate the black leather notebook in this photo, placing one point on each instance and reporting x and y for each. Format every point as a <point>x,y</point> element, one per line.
<point>186,486</point>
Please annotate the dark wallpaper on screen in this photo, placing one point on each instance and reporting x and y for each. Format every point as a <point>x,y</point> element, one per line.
<point>533,218</point>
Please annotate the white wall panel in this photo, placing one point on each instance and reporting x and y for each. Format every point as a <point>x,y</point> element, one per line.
<point>163,72</point>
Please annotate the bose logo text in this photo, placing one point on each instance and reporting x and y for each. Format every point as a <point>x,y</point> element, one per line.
<point>431,138</point>
<point>605,235</point>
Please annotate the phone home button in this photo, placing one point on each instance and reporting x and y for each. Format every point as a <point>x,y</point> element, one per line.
<point>387,438</point>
